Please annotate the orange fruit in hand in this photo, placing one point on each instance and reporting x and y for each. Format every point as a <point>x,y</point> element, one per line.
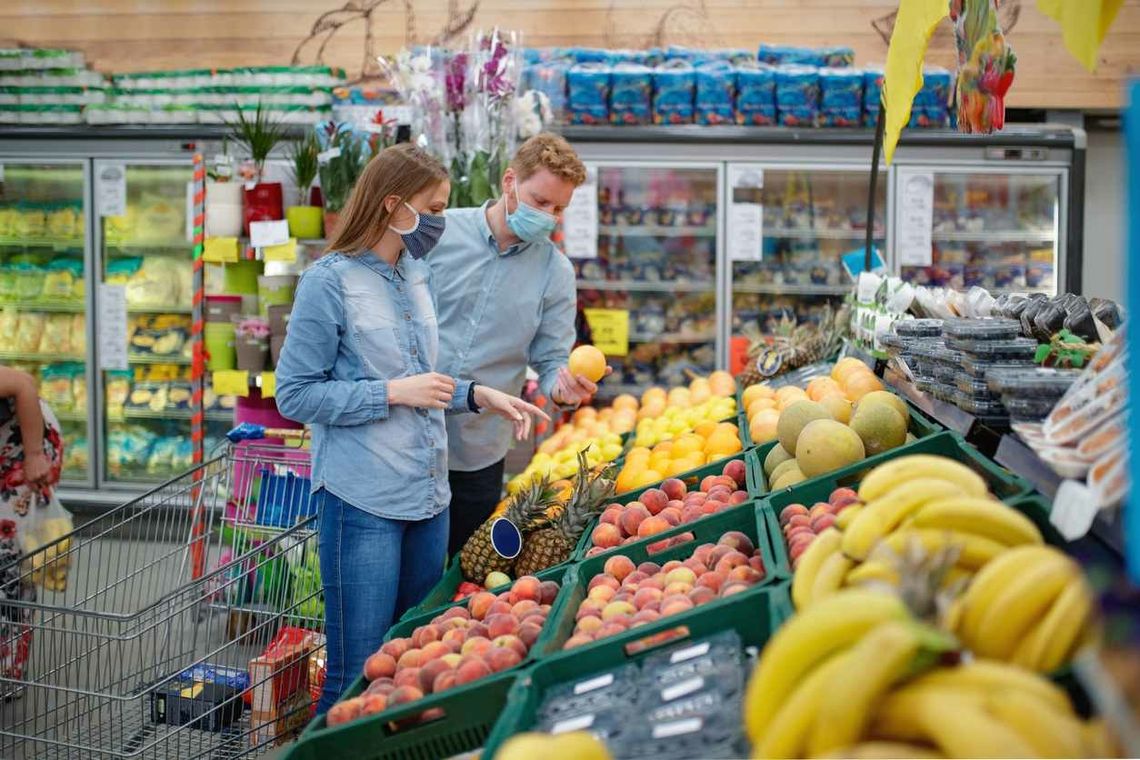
<point>589,362</point>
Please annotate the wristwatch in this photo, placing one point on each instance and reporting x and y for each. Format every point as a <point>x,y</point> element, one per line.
<point>471,399</point>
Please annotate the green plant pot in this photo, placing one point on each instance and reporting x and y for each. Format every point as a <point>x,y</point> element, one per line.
<point>240,277</point>
<point>219,340</point>
<point>305,221</point>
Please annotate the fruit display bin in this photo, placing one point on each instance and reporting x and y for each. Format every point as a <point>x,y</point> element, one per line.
<point>462,719</point>
<point>439,598</point>
<point>754,617</point>
<point>692,478</point>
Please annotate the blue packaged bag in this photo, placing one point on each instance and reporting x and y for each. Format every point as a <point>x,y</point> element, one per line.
<point>630,94</point>
<point>840,97</point>
<point>784,55</point>
<point>838,57</point>
<point>716,93</point>
<point>549,78</point>
<point>588,93</point>
<point>872,95</point>
<point>756,95</point>
<point>936,85</point>
<point>929,117</point>
<point>591,55</point>
<point>797,95</point>
<point>674,85</point>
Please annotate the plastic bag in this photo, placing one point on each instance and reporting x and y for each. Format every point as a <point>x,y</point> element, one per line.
<point>45,542</point>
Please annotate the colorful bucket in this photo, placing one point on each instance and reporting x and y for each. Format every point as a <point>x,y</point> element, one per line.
<point>305,221</point>
<point>275,290</point>
<point>220,349</point>
<point>240,277</point>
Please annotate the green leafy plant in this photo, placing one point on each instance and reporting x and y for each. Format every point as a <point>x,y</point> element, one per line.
<point>340,172</point>
<point>304,154</point>
<point>258,134</point>
<point>1065,350</point>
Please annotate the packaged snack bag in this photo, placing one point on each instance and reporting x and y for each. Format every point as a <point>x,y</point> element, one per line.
<point>630,90</point>
<point>674,84</point>
<point>756,95</point>
<point>588,87</point>
<point>716,93</point>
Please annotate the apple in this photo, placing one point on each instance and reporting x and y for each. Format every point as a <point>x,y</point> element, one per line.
<point>496,579</point>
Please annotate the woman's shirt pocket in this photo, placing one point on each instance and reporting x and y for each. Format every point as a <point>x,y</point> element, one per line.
<point>381,350</point>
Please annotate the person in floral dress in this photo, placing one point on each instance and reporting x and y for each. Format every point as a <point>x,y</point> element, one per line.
<point>31,456</point>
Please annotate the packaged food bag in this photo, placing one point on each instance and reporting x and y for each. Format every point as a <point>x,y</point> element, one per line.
<point>872,95</point>
<point>716,93</point>
<point>756,95</point>
<point>588,93</point>
<point>840,97</point>
<point>837,57</point>
<point>549,78</point>
<point>630,94</point>
<point>784,55</point>
<point>674,86</point>
<point>797,95</point>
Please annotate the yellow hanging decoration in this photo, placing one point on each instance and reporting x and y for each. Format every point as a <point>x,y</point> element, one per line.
<point>914,26</point>
<point>1084,23</point>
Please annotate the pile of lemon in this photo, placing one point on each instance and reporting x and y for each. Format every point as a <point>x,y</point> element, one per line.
<point>708,442</point>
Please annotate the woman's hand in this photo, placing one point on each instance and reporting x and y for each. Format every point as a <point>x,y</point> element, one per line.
<point>572,390</point>
<point>514,409</point>
<point>430,390</point>
<point>37,469</point>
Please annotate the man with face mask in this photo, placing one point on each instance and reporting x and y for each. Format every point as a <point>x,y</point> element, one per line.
<point>506,300</point>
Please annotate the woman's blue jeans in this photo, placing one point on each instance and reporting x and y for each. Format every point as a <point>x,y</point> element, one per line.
<point>372,570</point>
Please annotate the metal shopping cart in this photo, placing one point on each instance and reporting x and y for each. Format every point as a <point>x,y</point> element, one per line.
<point>192,622</point>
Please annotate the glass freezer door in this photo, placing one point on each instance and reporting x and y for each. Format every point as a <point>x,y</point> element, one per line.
<point>43,299</point>
<point>999,230</point>
<point>656,260</point>
<point>147,252</point>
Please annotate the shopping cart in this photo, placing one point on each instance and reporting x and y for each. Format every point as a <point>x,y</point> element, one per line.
<point>150,652</point>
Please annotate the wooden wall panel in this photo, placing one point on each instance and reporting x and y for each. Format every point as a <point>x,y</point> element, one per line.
<point>130,35</point>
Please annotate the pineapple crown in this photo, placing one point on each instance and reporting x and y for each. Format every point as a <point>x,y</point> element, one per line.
<point>924,584</point>
<point>591,490</point>
<point>528,507</point>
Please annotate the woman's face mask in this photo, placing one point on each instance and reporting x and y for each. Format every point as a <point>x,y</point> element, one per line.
<point>423,235</point>
<point>529,223</point>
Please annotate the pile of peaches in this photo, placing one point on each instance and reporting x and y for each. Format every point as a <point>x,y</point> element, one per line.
<point>801,524</point>
<point>490,634</point>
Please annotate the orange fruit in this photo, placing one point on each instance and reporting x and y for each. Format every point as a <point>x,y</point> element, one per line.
<point>589,362</point>
<point>727,427</point>
<point>638,454</point>
<point>842,367</point>
<point>699,394</point>
<point>762,428</point>
<point>681,397</point>
<point>687,444</point>
<point>625,401</point>
<point>705,429</point>
<point>628,477</point>
<point>623,421</point>
<point>651,409</point>
<point>837,406</point>
<point>648,478</point>
<point>585,413</point>
<point>819,387</point>
<point>861,383</point>
<point>760,403</point>
<point>653,394</point>
<point>754,392</point>
<point>722,383</point>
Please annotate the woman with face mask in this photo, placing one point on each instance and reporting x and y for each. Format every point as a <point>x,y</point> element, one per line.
<point>358,366</point>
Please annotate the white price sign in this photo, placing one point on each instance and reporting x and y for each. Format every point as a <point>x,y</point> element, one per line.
<point>111,190</point>
<point>915,218</point>
<point>113,335</point>
<point>580,219</point>
<point>745,212</point>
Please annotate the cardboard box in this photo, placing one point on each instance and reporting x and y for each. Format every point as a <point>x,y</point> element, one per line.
<point>279,681</point>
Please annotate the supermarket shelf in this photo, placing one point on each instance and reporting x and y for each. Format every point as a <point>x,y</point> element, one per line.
<point>657,230</point>
<point>808,233</point>
<point>148,245</point>
<point>168,414</point>
<point>144,359</point>
<point>159,310</point>
<point>63,416</point>
<point>646,287</point>
<point>75,244</point>
<point>994,237</point>
<point>948,415</point>
<point>1021,460</point>
<point>694,338</point>
<point>69,307</point>
<point>777,289</point>
<point>37,357</point>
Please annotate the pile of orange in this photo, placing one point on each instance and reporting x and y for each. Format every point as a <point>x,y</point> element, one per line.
<point>655,400</point>
<point>708,442</point>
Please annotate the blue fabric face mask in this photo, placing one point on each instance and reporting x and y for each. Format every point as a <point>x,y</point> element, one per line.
<point>529,223</point>
<point>424,234</point>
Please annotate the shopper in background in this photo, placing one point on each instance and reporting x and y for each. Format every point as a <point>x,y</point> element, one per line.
<point>359,365</point>
<point>507,300</point>
<point>31,456</point>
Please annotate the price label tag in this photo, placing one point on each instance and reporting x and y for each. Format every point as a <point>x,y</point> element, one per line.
<point>677,728</point>
<point>111,189</point>
<point>287,251</point>
<point>230,382</point>
<point>745,212</point>
<point>262,234</point>
<point>580,219</point>
<point>593,684</point>
<point>610,330</point>
<point>684,688</point>
<point>915,219</point>
<point>220,250</point>
<point>688,653</point>
<point>113,335</point>
<point>268,384</point>
<point>1074,509</point>
<point>579,723</point>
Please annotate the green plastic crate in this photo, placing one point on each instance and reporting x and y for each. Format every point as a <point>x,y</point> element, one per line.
<point>439,598</point>
<point>695,476</point>
<point>754,616</point>
<point>468,713</point>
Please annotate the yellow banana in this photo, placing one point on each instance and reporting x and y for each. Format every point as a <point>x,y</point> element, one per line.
<point>823,546</point>
<point>883,515</point>
<point>1050,733</point>
<point>830,577</point>
<point>982,517</point>
<point>1046,647</point>
<point>786,736</point>
<point>986,676</point>
<point>805,640</point>
<point>873,750</point>
<point>1020,604</point>
<point>974,550</point>
<point>888,475</point>
<point>882,657</point>
<point>990,581</point>
<point>1097,741</point>
<point>847,516</point>
<point>954,721</point>
<point>870,572</point>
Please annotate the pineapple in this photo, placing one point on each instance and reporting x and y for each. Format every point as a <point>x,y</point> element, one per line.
<point>478,558</point>
<point>929,582</point>
<point>793,345</point>
<point>552,542</point>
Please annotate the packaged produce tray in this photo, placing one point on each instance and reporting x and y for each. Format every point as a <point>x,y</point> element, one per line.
<point>754,617</point>
<point>439,598</point>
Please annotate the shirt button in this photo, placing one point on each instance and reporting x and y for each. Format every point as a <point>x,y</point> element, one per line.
<point>413,352</point>
<point>407,317</point>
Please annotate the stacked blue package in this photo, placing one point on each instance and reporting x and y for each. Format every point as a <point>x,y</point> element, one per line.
<point>797,95</point>
<point>784,55</point>
<point>756,95</point>
<point>549,78</point>
<point>591,55</point>
<point>588,88</point>
<point>936,85</point>
<point>716,92</point>
<point>838,57</point>
<point>674,84</point>
<point>630,94</point>
<point>872,95</point>
<point>840,97</point>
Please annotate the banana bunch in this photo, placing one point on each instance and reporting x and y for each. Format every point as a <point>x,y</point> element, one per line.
<point>855,676</point>
<point>1029,606</point>
<point>48,565</point>
<point>932,502</point>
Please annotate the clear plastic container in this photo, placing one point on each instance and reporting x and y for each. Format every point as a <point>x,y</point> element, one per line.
<point>943,391</point>
<point>996,350</point>
<point>978,389</point>
<point>702,658</point>
<point>981,329</point>
<point>699,695</point>
<point>946,373</point>
<point>715,736</point>
<point>918,328</point>
<point>980,368</point>
<point>979,407</point>
<point>608,726</point>
<point>1027,407</point>
<point>1037,382</point>
<point>1106,438</point>
<point>596,693</point>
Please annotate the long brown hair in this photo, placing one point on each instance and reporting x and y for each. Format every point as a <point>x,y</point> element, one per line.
<point>402,170</point>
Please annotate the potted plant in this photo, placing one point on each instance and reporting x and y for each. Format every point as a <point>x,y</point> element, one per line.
<point>252,344</point>
<point>259,135</point>
<point>345,161</point>
<point>223,197</point>
<point>305,217</point>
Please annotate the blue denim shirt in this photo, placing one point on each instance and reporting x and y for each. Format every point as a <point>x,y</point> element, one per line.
<point>356,324</point>
<point>499,311</point>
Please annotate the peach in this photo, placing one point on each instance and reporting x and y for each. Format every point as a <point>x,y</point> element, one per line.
<point>674,488</point>
<point>396,647</point>
<point>612,629</point>
<point>476,646</point>
<point>381,686</point>
<point>644,616</point>
<point>720,493</point>
<point>734,587</point>
<point>678,588</point>
<point>535,615</point>
<point>712,579</point>
<point>701,553</point>
<point>649,568</point>
<point>479,603</point>
<point>434,650</point>
<point>429,672</point>
<point>444,681</point>
<point>658,546</point>
<point>527,588</point>
<point>511,642</point>
<point>731,560</point>
<point>632,517</point>
<point>822,523</point>
<point>454,624</point>
<point>589,607</point>
<point>653,526</point>
<point>709,481</point>
<point>671,515</point>
<point>594,551</point>
<point>452,659</point>
<point>549,591</point>
<point>738,497</point>
<point>671,565</point>
<point>676,604</point>
<point>589,624</point>
<point>614,609</point>
<point>634,578</point>
<point>503,659</point>
<point>655,581</point>
<point>379,665</point>
<point>503,625</point>
<point>529,633</point>
<point>578,640</point>
<point>819,508</point>
<point>612,514</point>
<point>696,497</point>
<point>654,500</point>
<point>412,658</point>
<point>682,538</point>
<point>736,470</point>
<point>407,677</point>
<point>603,579</point>
<point>619,566</point>
<point>646,595</point>
<point>404,695</point>
<point>799,531</point>
<point>499,607</point>
<point>681,574</point>
<point>603,594</point>
<point>842,497</point>
<point>692,513</point>
<point>455,612</point>
<point>343,712</point>
<point>701,595</point>
<point>522,606</point>
<point>471,669</point>
<point>606,535</point>
<point>739,541</point>
<point>789,511</point>
<point>746,574</point>
<point>476,630</point>
<point>796,551</point>
<point>696,566</point>
<point>756,562</point>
